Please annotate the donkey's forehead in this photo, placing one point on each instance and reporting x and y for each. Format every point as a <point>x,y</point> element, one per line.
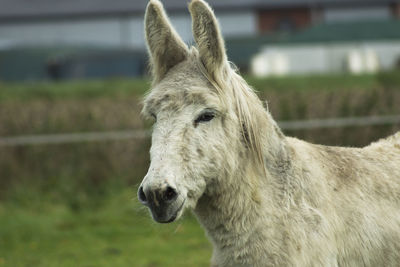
<point>183,85</point>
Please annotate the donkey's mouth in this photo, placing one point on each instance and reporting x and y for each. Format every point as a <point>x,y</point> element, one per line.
<point>167,216</point>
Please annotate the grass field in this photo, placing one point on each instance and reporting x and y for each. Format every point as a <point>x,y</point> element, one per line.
<point>67,205</point>
<point>75,204</point>
<point>122,87</point>
<point>119,232</point>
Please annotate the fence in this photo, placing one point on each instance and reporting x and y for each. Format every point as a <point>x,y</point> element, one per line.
<point>65,138</point>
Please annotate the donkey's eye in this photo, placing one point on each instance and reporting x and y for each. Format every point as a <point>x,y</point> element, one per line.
<point>206,116</point>
<point>153,116</point>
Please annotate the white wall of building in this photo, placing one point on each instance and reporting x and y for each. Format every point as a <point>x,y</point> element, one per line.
<point>135,33</point>
<point>116,32</point>
<point>326,58</point>
<point>239,23</point>
<point>389,53</point>
<point>99,31</point>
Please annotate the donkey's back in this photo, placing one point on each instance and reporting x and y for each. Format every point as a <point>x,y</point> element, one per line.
<point>359,196</point>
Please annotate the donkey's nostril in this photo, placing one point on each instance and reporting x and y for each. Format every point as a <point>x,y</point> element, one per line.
<point>170,194</point>
<point>142,195</point>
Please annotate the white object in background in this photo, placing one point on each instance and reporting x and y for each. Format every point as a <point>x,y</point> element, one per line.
<point>371,61</point>
<point>362,61</point>
<point>279,64</point>
<point>354,62</point>
<point>269,63</point>
<point>259,65</point>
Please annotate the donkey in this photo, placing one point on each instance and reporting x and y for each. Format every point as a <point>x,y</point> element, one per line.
<point>264,199</point>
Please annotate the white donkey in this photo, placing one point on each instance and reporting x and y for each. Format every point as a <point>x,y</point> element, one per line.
<point>263,198</point>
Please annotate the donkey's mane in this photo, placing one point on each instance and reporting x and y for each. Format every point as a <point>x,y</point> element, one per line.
<point>250,111</point>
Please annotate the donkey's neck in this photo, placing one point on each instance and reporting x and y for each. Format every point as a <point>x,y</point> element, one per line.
<point>231,203</point>
<point>247,200</point>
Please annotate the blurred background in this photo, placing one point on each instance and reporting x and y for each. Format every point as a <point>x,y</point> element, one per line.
<point>73,147</point>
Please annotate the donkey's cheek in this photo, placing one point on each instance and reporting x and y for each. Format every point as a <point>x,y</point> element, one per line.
<point>195,189</point>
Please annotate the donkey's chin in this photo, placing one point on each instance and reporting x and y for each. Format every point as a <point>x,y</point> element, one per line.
<point>171,214</point>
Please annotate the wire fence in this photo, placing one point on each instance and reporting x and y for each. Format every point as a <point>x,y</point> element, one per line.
<point>339,122</point>
<point>65,138</point>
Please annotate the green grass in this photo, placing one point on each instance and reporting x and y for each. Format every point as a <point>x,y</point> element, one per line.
<point>73,89</point>
<point>75,204</point>
<point>123,87</point>
<point>41,232</point>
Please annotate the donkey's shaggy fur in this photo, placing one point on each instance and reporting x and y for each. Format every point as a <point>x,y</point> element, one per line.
<point>263,198</point>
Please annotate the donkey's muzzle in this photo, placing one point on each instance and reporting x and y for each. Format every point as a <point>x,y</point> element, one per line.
<point>161,202</point>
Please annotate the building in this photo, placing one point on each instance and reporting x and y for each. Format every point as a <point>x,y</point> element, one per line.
<point>69,37</point>
<point>119,23</point>
<point>356,47</point>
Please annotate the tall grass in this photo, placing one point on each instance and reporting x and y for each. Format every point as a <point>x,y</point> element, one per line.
<point>73,89</point>
<point>81,106</point>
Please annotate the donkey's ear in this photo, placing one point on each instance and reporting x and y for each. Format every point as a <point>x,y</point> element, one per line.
<point>208,37</point>
<point>165,47</point>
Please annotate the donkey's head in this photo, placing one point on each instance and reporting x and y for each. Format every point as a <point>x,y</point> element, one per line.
<point>202,128</point>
